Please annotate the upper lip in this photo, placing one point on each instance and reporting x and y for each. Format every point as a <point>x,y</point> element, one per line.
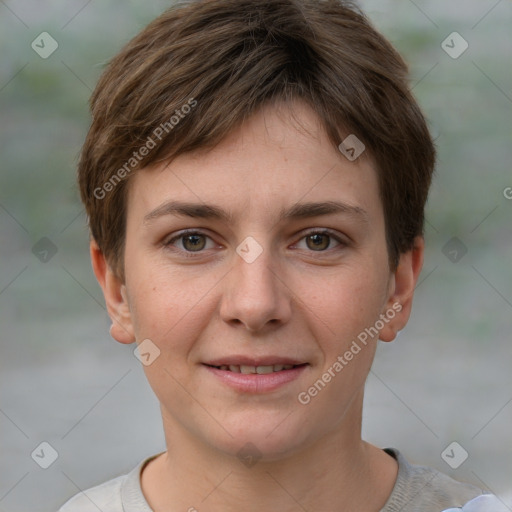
<point>253,361</point>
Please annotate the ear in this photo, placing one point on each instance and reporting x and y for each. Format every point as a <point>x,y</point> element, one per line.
<point>114,292</point>
<point>401,290</point>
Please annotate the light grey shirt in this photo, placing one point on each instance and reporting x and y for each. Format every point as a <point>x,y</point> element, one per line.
<point>417,489</point>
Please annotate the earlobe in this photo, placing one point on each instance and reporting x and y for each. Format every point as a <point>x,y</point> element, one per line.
<point>401,292</point>
<point>119,333</point>
<point>115,295</point>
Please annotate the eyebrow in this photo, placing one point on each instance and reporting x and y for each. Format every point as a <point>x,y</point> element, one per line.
<point>296,212</point>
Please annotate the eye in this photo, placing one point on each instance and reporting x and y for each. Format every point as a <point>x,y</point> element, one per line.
<point>320,240</point>
<point>189,242</point>
<point>192,243</point>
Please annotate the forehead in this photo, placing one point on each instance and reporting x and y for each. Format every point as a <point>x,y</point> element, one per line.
<point>279,157</point>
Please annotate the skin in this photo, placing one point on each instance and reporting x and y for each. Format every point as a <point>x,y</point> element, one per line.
<point>296,299</point>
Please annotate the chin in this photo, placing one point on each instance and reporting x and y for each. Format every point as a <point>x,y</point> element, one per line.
<point>266,439</point>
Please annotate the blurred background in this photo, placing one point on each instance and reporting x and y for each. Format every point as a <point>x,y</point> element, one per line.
<point>445,380</point>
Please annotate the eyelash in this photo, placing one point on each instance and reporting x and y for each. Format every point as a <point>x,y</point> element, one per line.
<point>191,254</point>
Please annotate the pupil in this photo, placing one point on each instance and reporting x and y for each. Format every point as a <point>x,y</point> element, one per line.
<point>317,240</point>
<point>195,242</point>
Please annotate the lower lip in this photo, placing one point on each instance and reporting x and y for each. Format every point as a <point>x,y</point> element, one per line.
<point>257,383</point>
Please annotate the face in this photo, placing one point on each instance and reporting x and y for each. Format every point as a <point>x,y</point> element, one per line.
<point>266,254</point>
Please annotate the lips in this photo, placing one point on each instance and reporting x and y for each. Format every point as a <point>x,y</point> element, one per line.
<point>250,375</point>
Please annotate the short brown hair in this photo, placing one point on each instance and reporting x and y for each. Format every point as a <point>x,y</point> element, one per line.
<point>226,59</point>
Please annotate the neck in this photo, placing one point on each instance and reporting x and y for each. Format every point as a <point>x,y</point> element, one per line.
<point>337,472</point>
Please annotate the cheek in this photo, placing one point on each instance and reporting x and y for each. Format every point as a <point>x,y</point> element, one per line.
<point>345,303</point>
<point>169,306</point>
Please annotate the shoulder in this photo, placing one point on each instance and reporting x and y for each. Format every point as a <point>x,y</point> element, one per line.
<point>116,495</point>
<point>106,496</point>
<point>423,489</point>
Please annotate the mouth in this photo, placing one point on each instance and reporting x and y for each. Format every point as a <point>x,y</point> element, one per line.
<point>249,375</point>
<point>259,370</point>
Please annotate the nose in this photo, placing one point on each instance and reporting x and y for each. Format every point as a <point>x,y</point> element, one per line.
<point>255,294</point>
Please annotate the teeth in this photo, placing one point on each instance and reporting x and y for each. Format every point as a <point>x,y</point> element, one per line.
<point>260,370</point>
<point>264,369</point>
